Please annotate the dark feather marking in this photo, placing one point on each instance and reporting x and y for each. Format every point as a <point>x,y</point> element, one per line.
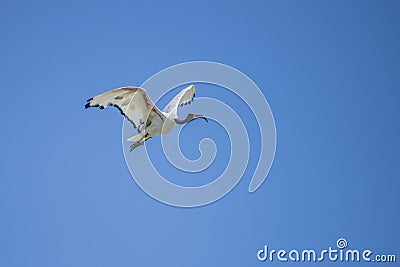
<point>123,114</point>
<point>118,97</point>
<point>88,105</point>
<point>120,110</point>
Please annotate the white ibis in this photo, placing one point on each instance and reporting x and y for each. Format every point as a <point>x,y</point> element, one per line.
<point>137,107</point>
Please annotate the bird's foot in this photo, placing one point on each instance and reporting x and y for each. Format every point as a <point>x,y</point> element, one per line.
<point>135,145</point>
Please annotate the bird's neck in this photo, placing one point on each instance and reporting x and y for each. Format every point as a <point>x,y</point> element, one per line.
<point>178,121</point>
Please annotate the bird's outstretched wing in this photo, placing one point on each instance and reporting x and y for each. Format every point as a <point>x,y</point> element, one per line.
<point>183,98</point>
<point>132,102</point>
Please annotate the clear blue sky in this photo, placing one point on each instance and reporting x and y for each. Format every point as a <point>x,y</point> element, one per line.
<point>329,69</point>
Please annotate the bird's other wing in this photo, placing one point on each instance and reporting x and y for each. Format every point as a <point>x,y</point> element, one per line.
<point>132,102</point>
<point>183,98</point>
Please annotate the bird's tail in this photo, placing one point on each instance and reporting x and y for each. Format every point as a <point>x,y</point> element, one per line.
<point>135,138</point>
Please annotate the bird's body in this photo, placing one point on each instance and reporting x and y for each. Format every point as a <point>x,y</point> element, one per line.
<point>158,126</point>
<point>137,107</point>
<point>167,125</point>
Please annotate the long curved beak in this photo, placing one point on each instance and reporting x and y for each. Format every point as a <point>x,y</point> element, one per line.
<point>199,116</point>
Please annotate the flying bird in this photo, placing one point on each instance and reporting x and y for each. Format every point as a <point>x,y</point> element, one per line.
<point>135,104</point>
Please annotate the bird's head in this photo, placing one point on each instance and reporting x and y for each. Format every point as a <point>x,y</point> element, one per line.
<point>191,117</point>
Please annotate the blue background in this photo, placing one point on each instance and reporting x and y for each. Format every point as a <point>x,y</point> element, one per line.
<point>330,72</point>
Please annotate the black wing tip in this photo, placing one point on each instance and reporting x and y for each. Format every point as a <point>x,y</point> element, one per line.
<point>88,105</point>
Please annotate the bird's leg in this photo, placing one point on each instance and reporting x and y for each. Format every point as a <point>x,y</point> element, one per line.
<point>140,142</point>
<point>135,145</point>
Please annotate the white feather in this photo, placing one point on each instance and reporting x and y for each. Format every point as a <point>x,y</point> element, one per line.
<point>135,104</point>
<point>185,97</point>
